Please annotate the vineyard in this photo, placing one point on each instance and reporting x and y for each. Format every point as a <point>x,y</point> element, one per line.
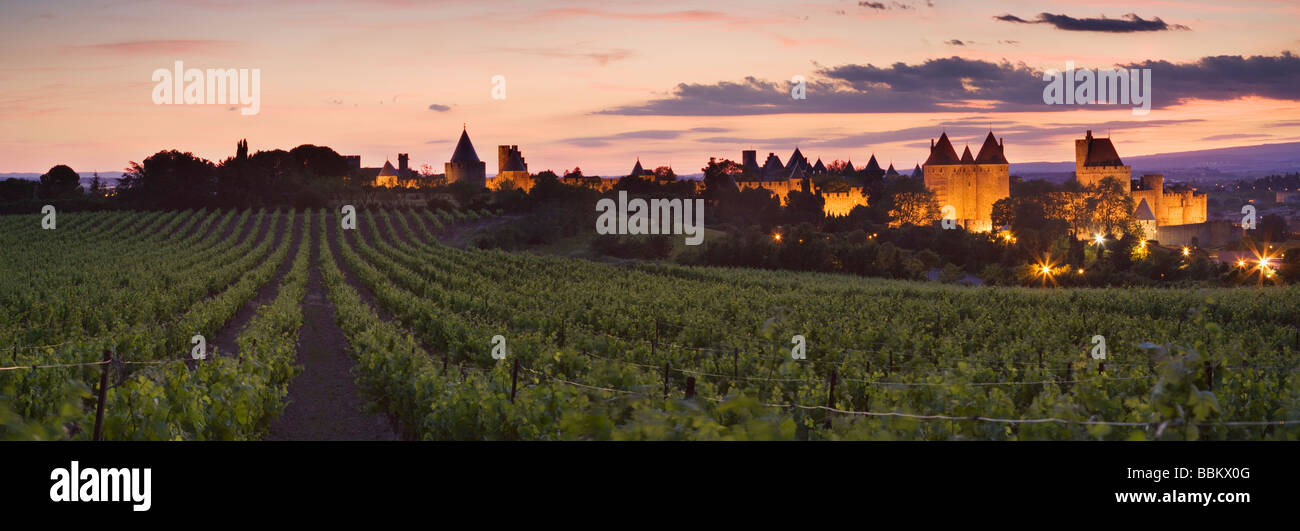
<point>468,344</point>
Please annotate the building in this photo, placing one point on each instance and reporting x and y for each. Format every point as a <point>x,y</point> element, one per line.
<point>1170,207</point>
<point>970,184</point>
<point>512,170</point>
<point>465,165</point>
<point>387,176</point>
<point>1096,159</point>
<point>795,175</point>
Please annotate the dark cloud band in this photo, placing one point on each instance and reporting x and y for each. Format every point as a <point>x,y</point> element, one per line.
<point>1129,23</point>
<point>955,84</point>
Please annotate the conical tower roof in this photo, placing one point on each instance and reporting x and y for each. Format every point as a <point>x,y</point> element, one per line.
<point>966,157</point>
<point>388,170</point>
<point>1143,212</point>
<point>891,172</point>
<point>637,171</point>
<point>991,152</point>
<point>464,149</point>
<point>916,172</point>
<point>942,152</point>
<point>819,167</point>
<point>872,165</point>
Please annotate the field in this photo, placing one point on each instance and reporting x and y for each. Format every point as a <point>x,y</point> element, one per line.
<point>453,343</point>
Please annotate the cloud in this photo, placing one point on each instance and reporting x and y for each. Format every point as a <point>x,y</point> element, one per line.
<point>957,84</point>
<point>160,47</point>
<point>601,141</point>
<point>881,6</point>
<point>955,42</point>
<point>1224,77</point>
<point>601,58</point>
<point>1128,24</point>
<point>1236,136</point>
<point>439,108</point>
<point>962,132</point>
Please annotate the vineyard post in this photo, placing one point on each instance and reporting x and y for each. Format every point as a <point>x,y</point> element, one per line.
<point>103,395</point>
<point>514,380</point>
<point>667,368</point>
<point>1101,367</point>
<point>1209,375</point>
<point>690,387</point>
<point>830,397</point>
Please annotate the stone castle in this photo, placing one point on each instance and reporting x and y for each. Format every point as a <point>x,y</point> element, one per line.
<point>512,171</point>
<point>1096,159</point>
<point>465,165</point>
<point>795,175</point>
<point>969,184</point>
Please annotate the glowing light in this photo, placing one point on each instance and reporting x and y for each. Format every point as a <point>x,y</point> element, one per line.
<point>1099,239</point>
<point>776,236</point>
<point>1046,270</point>
<point>1187,252</point>
<point>1080,270</point>
<point>1241,262</point>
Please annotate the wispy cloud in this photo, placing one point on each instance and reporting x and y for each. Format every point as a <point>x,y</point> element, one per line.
<point>160,47</point>
<point>1128,24</point>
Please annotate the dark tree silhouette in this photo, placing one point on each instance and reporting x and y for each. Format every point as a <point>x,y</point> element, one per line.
<point>170,179</point>
<point>60,182</point>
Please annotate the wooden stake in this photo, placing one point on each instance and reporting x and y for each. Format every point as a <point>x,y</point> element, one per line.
<point>103,395</point>
<point>830,397</point>
<point>690,387</point>
<point>514,380</point>
<point>667,369</point>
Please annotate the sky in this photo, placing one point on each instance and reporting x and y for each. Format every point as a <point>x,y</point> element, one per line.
<point>598,84</point>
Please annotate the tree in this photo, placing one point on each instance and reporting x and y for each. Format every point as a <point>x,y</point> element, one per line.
<point>96,186</point>
<point>59,182</point>
<point>664,173</point>
<point>914,208</point>
<point>170,179</point>
<point>1111,205</point>
<point>720,177</point>
<point>12,189</point>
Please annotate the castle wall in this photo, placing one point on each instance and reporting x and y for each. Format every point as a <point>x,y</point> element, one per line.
<point>475,172</point>
<point>971,189</point>
<point>511,180</point>
<point>841,203</point>
<point>1207,234</point>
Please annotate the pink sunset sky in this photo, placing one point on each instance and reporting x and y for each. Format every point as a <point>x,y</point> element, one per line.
<point>598,84</point>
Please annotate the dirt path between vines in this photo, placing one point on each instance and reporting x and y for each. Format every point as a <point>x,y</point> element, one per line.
<point>225,339</point>
<point>323,401</point>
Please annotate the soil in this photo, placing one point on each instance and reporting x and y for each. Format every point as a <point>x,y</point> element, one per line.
<point>323,401</point>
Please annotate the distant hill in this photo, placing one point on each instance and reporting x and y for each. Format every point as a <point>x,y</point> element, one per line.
<point>1204,165</point>
<point>109,177</point>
